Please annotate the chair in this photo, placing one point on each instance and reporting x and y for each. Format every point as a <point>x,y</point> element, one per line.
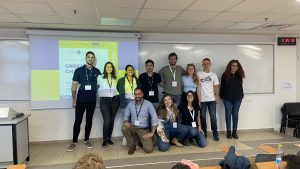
<point>290,116</point>
<point>265,158</point>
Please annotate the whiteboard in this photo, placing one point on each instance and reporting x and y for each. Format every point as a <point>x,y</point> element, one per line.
<point>256,59</point>
<point>14,70</point>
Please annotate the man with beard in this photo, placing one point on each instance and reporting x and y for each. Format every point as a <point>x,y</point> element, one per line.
<point>136,123</point>
<point>84,89</point>
<point>172,78</point>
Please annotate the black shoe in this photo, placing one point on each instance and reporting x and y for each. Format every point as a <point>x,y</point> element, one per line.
<point>186,142</point>
<point>228,135</point>
<point>216,137</point>
<point>110,142</point>
<point>104,144</point>
<point>234,134</point>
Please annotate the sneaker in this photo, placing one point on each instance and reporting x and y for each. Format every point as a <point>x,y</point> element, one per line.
<point>88,144</point>
<point>71,147</point>
<point>124,141</point>
<point>104,144</point>
<point>110,142</point>
<point>176,143</point>
<point>216,137</point>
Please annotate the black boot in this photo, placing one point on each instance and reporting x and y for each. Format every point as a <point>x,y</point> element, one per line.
<point>228,135</point>
<point>234,134</point>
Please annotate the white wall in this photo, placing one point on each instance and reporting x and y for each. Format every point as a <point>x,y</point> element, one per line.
<point>257,111</point>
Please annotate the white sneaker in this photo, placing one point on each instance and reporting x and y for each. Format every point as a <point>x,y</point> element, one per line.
<point>88,144</point>
<point>71,147</point>
<point>124,141</point>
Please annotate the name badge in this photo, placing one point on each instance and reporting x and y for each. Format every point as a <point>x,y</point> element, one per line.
<point>88,87</point>
<point>174,83</point>
<point>175,125</point>
<point>137,123</point>
<point>194,124</point>
<point>151,93</point>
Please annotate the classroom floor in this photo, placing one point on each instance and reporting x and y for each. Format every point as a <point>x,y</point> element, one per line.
<point>54,155</point>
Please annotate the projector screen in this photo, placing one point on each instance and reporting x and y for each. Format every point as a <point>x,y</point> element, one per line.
<point>55,58</point>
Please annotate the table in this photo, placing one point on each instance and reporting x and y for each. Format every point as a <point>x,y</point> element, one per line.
<point>14,144</point>
<point>266,165</point>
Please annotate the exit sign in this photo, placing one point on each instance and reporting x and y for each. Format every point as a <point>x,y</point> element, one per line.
<point>286,41</point>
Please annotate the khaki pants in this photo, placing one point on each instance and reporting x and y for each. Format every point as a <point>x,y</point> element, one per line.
<point>131,133</point>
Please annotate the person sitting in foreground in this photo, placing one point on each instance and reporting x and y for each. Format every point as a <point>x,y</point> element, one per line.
<point>290,162</point>
<point>186,164</point>
<point>90,161</point>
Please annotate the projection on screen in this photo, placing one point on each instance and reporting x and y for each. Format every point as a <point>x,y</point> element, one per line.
<point>52,71</point>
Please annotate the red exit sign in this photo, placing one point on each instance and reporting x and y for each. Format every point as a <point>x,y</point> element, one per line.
<point>287,41</point>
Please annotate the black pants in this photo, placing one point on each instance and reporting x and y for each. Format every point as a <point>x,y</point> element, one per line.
<point>109,107</point>
<point>81,107</point>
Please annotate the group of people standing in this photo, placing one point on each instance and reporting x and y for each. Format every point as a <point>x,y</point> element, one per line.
<point>179,118</point>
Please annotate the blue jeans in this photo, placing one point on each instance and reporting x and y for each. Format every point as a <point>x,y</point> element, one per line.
<point>194,133</point>
<point>176,99</point>
<point>180,133</point>
<point>213,118</point>
<point>232,111</point>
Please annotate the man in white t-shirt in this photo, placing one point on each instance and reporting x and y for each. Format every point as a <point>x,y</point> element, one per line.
<point>209,96</point>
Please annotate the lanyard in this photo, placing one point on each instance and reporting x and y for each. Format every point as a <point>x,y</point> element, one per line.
<point>131,86</point>
<point>88,77</point>
<point>150,82</point>
<point>171,114</point>
<point>173,74</point>
<point>138,112</point>
<point>109,84</point>
<point>192,113</point>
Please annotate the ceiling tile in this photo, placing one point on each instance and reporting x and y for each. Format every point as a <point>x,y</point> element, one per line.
<point>113,12</point>
<point>82,11</point>
<point>294,19</point>
<point>168,4</point>
<point>294,28</point>
<point>214,5</point>
<point>231,17</point>
<point>9,18</point>
<point>256,5</point>
<point>215,25</point>
<point>80,21</point>
<point>271,17</point>
<point>72,2</point>
<point>196,15</point>
<point>183,24</point>
<point>244,25</point>
<point>151,23</point>
<point>292,7</point>
<point>122,3</point>
<point>158,14</point>
<point>29,8</point>
<point>41,19</point>
<point>2,10</point>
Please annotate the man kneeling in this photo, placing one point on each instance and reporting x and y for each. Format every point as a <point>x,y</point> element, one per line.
<point>136,123</point>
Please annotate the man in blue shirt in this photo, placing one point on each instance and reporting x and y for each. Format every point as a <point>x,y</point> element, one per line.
<point>136,123</point>
<point>84,89</point>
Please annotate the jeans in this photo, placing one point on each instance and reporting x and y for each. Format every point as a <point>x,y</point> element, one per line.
<point>124,109</point>
<point>81,107</point>
<point>232,111</point>
<point>177,99</point>
<point>180,133</point>
<point>194,133</point>
<point>109,107</point>
<point>213,118</point>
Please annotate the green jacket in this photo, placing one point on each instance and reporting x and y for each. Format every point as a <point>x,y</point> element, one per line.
<point>121,90</point>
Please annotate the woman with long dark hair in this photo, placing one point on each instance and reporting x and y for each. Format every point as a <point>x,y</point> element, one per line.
<point>109,100</point>
<point>126,86</point>
<point>169,128</point>
<point>190,117</point>
<point>232,94</point>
